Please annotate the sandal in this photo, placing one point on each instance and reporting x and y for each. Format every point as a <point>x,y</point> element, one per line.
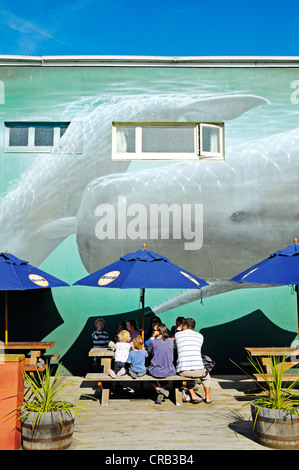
<point>159,399</point>
<point>195,402</point>
<point>164,392</point>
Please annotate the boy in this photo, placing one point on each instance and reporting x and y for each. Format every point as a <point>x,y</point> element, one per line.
<point>100,338</point>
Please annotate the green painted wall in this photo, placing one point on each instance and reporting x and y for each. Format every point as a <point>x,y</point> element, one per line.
<point>47,208</point>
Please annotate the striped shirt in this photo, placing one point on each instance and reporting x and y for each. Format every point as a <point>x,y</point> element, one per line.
<point>100,339</point>
<point>188,343</point>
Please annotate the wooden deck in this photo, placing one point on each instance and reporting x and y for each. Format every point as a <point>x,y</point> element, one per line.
<point>132,422</point>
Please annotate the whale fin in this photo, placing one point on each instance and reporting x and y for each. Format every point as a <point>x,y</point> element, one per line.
<point>222,108</point>
<point>215,287</point>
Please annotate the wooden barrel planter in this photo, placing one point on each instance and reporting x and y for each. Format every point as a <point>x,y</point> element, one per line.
<point>278,429</point>
<point>54,431</point>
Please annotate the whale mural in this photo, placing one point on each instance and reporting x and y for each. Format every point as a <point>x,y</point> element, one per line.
<point>247,203</point>
<point>74,210</point>
<point>40,209</point>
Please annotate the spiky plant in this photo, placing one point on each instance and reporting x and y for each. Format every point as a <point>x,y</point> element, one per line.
<point>276,393</point>
<point>44,395</point>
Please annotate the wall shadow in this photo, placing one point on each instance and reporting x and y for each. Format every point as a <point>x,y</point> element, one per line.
<point>221,342</point>
<point>32,315</point>
<point>227,341</point>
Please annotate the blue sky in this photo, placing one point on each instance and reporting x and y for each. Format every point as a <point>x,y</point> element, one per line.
<point>151,28</point>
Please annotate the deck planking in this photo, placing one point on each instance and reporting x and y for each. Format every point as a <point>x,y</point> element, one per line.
<point>132,422</point>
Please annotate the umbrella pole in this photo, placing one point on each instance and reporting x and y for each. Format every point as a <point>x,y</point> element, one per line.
<point>142,292</point>
<point>6,318</point>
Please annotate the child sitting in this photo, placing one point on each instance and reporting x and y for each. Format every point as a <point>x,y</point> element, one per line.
<point>100,337</point>
<point>122,349</point>
<point>137,358</point>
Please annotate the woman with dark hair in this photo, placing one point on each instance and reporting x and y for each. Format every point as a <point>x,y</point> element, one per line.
<point>152,326</point>
<point>133,329</point>
<point>161,365</point>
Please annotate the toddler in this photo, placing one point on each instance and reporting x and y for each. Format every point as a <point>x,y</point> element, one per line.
<point>122,349</point>
<point>137,358</point>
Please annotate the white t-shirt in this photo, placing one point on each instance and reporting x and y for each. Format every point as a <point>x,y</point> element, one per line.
<point>188,343</point>
<point>122,351</point>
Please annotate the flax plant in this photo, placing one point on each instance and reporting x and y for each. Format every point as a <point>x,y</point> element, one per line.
<point>276,394</point>
<point>44,395</point>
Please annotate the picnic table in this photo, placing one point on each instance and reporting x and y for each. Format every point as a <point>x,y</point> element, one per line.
<point>104,383</point>
<point>36,350</point>
<point>264,354</point>
<point>106,355</point>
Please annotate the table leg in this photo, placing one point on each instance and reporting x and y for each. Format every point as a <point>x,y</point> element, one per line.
<point>105,396</point>
<point>178,396</point>
<point>286,365</point>
<point>106,363</point>
<point>33,357</point>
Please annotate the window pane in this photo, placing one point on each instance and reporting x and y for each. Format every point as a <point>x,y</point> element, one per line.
<point>125,139</point>
<point>18,136</point>
<point>168,139</point>
<point>62,130</point>
<point>210,139</point>
<point>44,136</point>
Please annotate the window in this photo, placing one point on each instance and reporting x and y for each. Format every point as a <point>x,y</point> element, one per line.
<point>167,141</point>
<point>33,136</point>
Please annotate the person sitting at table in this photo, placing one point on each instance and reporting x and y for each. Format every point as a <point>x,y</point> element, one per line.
<point>136,358</point>
<point>148,333</point>
<point>154,334</point>
<point>189,361</point>
<point>133,329</point>
<point>122,349</point>
<point>121,326</point>
<point>177,327</point>
<point>100,337</point>
<point>160,350</point>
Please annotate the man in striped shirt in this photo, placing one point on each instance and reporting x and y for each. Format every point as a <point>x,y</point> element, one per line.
<point>189,363</point>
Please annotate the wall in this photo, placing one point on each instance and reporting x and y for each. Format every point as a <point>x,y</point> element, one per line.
<point>49,201</point>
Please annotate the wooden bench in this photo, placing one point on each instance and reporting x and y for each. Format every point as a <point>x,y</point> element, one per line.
<point>104,382</point>
<point>40,365</point>
<point>286,377</point>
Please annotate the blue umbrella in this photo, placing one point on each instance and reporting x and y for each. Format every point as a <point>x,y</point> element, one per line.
<point>17,274</point>
<point>280,268</point>
<point>143,269</point>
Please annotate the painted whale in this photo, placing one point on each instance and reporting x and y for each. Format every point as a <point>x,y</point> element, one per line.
<point>39,211</point>
<point>249,207</point>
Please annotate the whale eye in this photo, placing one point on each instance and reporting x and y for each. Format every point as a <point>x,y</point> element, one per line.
<point>238,216</point>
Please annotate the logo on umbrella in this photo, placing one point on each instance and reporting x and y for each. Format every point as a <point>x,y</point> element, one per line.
<point>40,281</point>
<point>108,277</point>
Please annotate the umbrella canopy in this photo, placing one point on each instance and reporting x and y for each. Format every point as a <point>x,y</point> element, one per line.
<point>280,268</point>
<point>17,274</point>
<point>143,269</point>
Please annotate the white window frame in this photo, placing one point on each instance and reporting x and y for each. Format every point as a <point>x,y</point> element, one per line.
<point>31,126</point>
<point>211,155</point>
<point>198,153</point>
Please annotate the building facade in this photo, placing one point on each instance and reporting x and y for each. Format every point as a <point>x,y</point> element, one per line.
<point>195,157</point>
